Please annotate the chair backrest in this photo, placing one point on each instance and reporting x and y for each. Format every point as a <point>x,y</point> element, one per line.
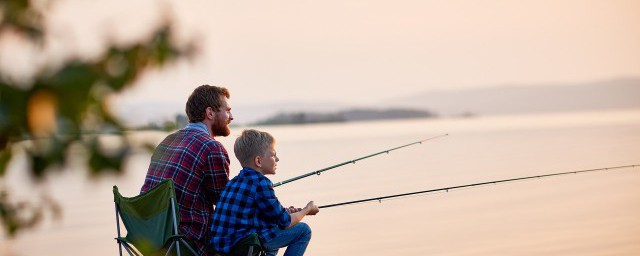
<point>149,217</point>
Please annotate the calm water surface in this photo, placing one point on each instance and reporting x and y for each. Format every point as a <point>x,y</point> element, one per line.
<point>586,214</point>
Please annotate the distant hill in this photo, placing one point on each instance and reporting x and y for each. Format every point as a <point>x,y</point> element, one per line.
<point>248,114</point>
<point>343,116</point>
<point>612,94</point>
<point>497,100</point>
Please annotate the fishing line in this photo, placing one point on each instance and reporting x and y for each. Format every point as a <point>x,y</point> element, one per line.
<point>447,189</point>
<point>353,161</point>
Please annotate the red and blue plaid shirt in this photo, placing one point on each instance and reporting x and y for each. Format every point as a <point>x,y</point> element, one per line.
<point>247,205</point>
<point>199,167</point>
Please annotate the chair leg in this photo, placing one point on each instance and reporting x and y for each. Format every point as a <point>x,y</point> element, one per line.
<point>170,247</point>
<point>175,223</point>
<point>119,248</point>
<point>131,252</point>
<point>118,228</point>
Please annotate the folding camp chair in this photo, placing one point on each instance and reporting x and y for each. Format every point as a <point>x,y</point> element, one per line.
<point>151,221</point>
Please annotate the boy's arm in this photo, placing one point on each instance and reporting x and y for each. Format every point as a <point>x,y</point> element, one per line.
<point>268,205</point>
<point>310,209</point>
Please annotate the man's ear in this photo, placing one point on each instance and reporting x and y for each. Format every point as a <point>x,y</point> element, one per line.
<point>258,161</point>
<point>209,113</point>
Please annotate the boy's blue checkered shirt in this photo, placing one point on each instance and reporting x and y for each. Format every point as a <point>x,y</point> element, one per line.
<point>247,205</point>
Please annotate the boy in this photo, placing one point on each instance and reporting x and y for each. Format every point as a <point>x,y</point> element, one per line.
<point>248,203</point>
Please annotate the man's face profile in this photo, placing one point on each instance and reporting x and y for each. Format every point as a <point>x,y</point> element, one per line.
<point>222,119</point>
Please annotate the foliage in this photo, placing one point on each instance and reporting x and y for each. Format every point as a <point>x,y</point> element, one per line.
<point>65,105</point>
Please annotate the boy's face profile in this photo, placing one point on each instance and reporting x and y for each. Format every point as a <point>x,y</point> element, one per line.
<point>269,161</point>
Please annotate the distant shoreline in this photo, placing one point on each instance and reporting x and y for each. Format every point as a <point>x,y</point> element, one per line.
<point>361,114</point>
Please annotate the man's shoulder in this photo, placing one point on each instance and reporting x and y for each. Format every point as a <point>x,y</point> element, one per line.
<point>198,138</point>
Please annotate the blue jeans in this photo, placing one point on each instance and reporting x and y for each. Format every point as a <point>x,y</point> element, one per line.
<point>295,238</point>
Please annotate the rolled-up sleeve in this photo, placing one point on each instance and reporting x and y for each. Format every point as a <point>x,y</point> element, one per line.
<point>269,205</point>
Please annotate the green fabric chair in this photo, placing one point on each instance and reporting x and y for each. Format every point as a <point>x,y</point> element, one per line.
<point>151,221</point>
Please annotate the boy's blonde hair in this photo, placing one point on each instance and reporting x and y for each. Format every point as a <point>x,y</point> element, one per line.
<point>252,143</point>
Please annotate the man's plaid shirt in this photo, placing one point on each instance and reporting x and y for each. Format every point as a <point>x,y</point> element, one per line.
<point>247,205</point>
<point>199,167</point>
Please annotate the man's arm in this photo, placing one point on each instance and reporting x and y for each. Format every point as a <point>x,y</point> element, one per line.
<point>216,172</point>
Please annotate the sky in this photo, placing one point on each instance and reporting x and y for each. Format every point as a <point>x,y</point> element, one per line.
<point>359,51</point>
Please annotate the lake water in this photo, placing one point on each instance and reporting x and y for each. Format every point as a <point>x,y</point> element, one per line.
<point>585,214</point>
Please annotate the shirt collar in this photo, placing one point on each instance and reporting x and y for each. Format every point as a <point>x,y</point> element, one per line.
<point>251,172</point>
<point>198,126</point>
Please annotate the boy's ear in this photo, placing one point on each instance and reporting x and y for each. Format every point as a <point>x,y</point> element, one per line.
<point>257,161</point>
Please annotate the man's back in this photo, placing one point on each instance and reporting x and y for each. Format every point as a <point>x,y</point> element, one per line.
<point>199,167</point>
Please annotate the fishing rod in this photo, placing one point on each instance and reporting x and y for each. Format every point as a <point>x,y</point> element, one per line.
<point>353,161</point>
<point>379,199</point>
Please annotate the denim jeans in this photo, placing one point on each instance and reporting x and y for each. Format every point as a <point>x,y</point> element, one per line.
<point>295,238</point>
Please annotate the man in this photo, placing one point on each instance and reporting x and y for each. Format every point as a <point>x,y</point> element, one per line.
<point>197,163</point>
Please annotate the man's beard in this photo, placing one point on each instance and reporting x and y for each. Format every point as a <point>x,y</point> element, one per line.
<point>221,129</point>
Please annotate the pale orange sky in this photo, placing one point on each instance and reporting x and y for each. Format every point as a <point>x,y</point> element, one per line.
<point>365,51</point>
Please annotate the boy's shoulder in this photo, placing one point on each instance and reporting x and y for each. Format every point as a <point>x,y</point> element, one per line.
<point>254,179</point>
<point>251,178</point>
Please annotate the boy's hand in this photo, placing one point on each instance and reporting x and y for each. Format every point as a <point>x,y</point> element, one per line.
<point>292,209</point>
<point>312,208</point>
